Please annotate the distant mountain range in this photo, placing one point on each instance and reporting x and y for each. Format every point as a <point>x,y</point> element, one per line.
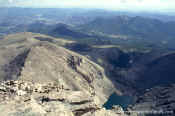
<point>131,26</point>
<point>100,29</point>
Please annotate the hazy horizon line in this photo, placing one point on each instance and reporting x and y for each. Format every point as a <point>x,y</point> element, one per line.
<point>104,9</point>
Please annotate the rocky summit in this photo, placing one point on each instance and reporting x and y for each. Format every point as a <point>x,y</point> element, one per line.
<point>25,98</point>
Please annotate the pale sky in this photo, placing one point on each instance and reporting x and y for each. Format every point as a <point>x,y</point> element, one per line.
<point>147,5</point>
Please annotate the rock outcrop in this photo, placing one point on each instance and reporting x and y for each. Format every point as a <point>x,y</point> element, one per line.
<point>23,98</point>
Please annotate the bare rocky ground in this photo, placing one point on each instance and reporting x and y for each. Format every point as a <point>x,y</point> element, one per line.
<point>24,98</point>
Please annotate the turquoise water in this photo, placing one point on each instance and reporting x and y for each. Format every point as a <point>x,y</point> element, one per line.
<point>115,99</point>
<point>123,101</point>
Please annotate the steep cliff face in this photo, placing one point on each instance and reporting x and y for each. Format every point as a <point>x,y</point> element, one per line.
<point>118,64</point>
<point>159,99</point>
<point>159,71</point>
